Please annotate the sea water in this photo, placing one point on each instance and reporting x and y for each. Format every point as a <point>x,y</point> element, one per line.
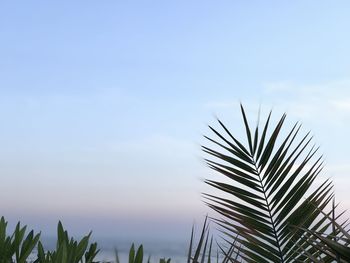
<point>176,250</point>
<point>155,249</point>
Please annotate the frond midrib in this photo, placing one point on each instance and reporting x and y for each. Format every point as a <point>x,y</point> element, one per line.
<point>268,205</point>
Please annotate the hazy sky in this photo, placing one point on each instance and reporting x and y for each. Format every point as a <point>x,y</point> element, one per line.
<point>103,103</point>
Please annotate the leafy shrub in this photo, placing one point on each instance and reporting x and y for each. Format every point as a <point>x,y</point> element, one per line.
<point>16,248</point>
<point>68,250</point>
<point>138,257</point>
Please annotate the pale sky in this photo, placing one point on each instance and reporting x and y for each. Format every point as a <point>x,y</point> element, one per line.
<point>103,103</point>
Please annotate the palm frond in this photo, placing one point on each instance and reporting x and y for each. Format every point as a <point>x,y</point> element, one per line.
<point>334,245</point>
<point>202,251</point>
<point>270,190</point>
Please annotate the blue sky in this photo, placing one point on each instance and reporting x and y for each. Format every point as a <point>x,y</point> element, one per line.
<point>113,97</point>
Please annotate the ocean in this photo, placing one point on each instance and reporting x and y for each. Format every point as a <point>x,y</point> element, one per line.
<point>176,250</point>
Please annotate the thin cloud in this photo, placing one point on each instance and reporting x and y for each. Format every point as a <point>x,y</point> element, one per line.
<point>341,104</point>
<point>278,86</point>
<point>329,100</point>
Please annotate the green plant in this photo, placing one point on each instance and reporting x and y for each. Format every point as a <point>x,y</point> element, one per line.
<point>138,257</point>
<point>331,246</point>
<point>68,250</point>
<point>268,200</point>
<point>202,252</point>
<point>17,247</point>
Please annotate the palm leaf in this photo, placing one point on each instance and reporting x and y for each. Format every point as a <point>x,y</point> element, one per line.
<point>334,245</point>
<point>203,249</point>
<point>270,190</point>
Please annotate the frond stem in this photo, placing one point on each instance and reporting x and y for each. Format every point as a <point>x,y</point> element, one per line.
<point>269,210</point>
